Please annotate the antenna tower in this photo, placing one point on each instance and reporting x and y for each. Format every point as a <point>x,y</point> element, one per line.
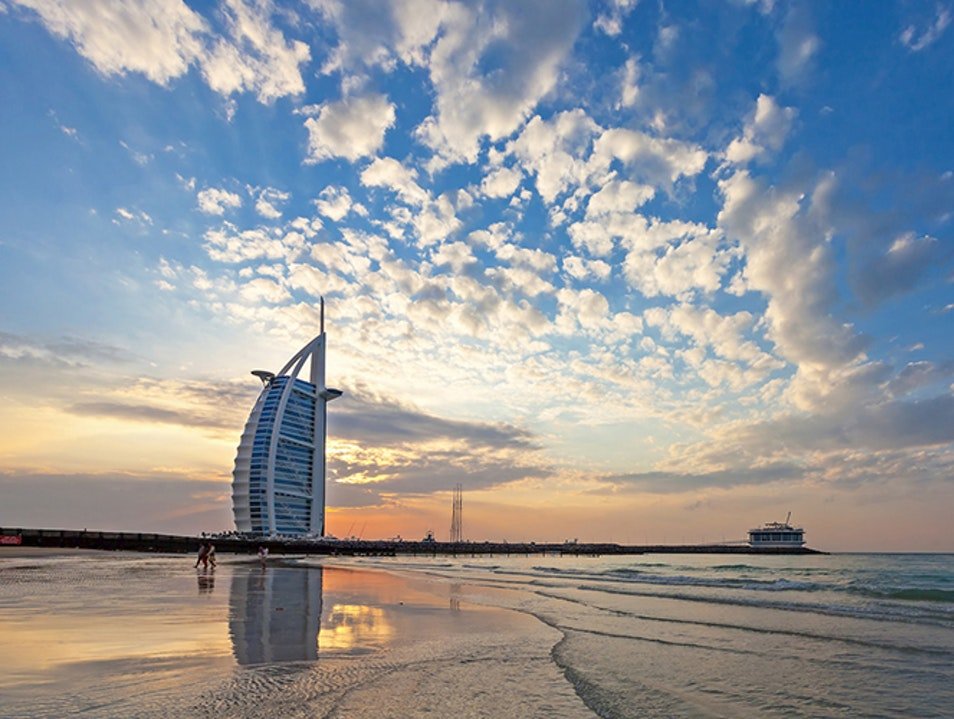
<point>457,515</point>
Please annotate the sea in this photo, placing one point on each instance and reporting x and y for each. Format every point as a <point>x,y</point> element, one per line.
<point>124,635</point>
<point>840,635</point>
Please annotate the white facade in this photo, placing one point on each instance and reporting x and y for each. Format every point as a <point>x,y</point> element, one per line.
<point>278,484</point>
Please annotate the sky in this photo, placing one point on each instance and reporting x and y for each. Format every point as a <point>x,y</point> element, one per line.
<point>632,271</point>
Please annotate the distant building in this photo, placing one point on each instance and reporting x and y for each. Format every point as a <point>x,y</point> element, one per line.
<point>278,484</point>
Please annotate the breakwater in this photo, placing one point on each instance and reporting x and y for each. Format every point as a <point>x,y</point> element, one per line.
<point>237,544</point>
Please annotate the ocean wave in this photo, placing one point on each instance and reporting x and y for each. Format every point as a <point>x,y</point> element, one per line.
<point>876,611</point>
<point>907,594</point>
<point>771,585</point>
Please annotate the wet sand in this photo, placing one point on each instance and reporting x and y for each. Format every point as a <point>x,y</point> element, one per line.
<point>122,635</point>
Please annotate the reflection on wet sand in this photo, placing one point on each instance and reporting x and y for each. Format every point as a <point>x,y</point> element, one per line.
<point>348,626</point>
<point>275,614</point>
<point>206,579</point>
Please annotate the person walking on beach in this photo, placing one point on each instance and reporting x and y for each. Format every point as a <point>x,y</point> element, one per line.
<point>262,554</point>
<point>210,555</point>
<point>203,557</point>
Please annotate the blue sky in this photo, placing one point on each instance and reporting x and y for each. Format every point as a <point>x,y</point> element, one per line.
<point>632,266</point>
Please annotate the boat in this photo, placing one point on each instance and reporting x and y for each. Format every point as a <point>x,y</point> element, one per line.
<point>777,534</point>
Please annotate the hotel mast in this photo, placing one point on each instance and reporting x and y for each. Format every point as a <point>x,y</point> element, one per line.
<point>278,484</point>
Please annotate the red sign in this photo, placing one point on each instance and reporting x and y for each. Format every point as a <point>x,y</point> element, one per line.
<point>11,539</point>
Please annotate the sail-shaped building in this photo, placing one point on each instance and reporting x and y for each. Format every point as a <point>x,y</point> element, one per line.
<point>278,484</point>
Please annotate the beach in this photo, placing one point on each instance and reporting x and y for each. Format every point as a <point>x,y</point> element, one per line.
<point>119,634</point>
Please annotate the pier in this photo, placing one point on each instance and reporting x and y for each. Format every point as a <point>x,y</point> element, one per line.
<point>237,544</point>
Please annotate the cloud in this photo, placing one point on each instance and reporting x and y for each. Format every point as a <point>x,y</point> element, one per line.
<point>556,151</point>
<point>257,57</point>
<point>380,421</point>
<point>161,40</point>
<point>917,375</point>
<point>618,196</point>
<point>695,260</point>
<point>629,83</point>
<point>663,482</point>
<point>267,200</point>
<point>610,21</point>
<point>900,268</point>
<point>764,131</point>
<point>138,216</point>
<point>387,448</point>
<point>371,34</point>
<point>501,182</point>
<point>152,502</point>
<point>916,41</point>
<point>352,128</point>
<point>64,351</point>
<point>214,201</point>
<point>455,254</point>
<point>580,268</point>
<point>797,44</point>
<point>491,66</point>
<point>788,260</point>
<point>657,161</point>
<point>231,245</point>
<point>335,203</point>
<point>388,172</point>
<point>143,413</point>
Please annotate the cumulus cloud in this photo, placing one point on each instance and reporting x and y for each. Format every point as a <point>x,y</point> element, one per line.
<point>788,260</point>
<point>374,34</point>
<point>491,66</point>
<point>231,245</point>
<point>352,128</point>
<point>618,196</point>
<point>555,151</point>
<point>455,254</point>
<point>267,201</point>
<point>658,161</point>
<point>388,172</point>
<point>501,182</point>
<point>765,130</point>
<point>214,201</point>
<point>334,202</point>
<point>257,57</point>
<point>580,268</point>
<point>570,152</point>
<point>161,40</point>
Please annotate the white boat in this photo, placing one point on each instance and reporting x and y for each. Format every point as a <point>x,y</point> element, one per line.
<point>777,534</point>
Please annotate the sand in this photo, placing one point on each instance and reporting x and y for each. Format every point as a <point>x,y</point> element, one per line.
<point>121,635</point>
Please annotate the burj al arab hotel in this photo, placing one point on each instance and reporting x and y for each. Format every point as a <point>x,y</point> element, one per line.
<point>278,484</point>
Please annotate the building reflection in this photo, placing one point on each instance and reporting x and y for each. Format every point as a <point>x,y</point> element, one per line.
<point>275,614</point>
